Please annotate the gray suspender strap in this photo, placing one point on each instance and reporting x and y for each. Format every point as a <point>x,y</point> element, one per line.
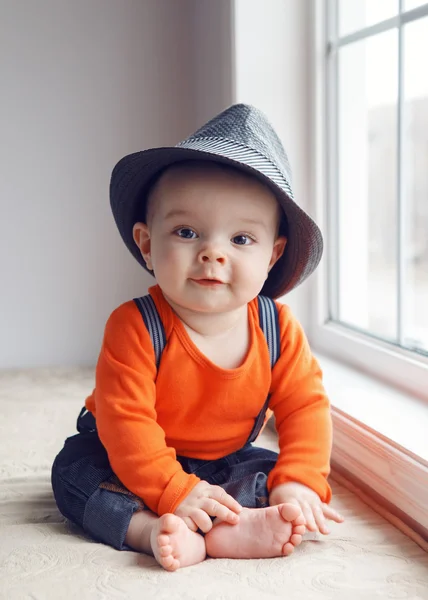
<point>269,323</point>
<point>146,306</point>
<point>153,323</point>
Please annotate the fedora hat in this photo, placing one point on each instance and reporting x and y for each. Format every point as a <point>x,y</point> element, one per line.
<point>241,137</point>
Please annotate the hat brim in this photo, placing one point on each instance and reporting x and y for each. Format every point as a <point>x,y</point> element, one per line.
<point>131,180</point>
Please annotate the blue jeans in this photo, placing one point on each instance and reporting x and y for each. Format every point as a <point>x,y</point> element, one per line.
<point>81,469</point>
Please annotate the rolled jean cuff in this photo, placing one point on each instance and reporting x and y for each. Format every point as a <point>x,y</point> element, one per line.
<point>107,517</point>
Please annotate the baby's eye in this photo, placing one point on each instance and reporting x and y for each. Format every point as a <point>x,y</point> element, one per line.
<point>186,233</point>
<point>242,240</point>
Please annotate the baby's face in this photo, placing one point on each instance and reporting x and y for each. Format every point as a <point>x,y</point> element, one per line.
<point>211,237</point>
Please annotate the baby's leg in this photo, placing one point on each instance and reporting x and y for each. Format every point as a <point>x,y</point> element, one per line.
<point>85,494</point>
<point>167,538</point>
<point>263,530</point>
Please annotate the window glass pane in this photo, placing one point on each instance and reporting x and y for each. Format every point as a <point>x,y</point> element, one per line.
<point>357,14</point>
<point>415,184</point>
<point>366,177</point>
<point>409,4</point>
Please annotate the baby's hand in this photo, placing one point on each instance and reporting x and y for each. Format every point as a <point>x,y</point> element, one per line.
<point>206,501</point>
<point>314,511</point>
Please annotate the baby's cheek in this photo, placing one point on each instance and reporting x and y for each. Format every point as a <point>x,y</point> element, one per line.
<point>256,270</point>
<point>165,256</point>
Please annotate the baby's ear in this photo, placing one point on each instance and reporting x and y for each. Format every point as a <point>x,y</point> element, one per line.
<point>141,235</point>
<point>278,250</point>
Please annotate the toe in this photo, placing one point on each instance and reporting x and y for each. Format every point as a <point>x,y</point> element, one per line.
<point>163,540</point>
<point>300,529</point>
<point>287,549</point>
<point>170,523</point>
<point>175,565</point>
<point>291,512</point>
<point>300,520</point>
<point>170,563</point>
<point>165,551</point>
<point>296,539</point>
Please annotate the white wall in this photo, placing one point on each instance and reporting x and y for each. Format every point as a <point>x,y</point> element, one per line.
<point>86,82</point>
<point>271,71</point>
<point>83,83</point>
<point>213,58</point>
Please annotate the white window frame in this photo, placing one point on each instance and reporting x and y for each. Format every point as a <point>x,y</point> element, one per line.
<point>399,367</point>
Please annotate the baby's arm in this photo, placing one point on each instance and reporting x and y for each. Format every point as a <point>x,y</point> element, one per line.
<point>303,421</point>
<point>126,416</point>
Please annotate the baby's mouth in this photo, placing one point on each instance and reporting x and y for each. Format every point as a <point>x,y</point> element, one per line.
<point>208,282</point>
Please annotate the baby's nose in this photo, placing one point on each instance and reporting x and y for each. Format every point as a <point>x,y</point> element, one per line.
<point>212,254</point>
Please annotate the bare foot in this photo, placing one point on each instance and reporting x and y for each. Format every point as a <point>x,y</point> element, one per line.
<point>260,533</point>
<point>174,545</point>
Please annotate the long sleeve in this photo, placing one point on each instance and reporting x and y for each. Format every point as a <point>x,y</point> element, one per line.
<point>302,412</point>
<point>125,410</point>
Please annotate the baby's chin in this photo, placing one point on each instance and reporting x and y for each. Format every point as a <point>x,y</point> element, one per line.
<point>208,300</point>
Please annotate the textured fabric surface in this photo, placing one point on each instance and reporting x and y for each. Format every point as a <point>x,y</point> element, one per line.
<point>43,557</point>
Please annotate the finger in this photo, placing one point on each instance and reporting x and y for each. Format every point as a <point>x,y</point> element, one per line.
<point>330,513</point>
<point>190,523</point>
<point>219,494</point>
<point>202,520</point>
<point>292,501</point>
<point>320,520</point>
<point>309,517</point>
<point>215,509</point>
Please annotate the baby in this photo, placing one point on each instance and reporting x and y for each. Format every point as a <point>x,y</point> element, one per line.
<point>164,461</point>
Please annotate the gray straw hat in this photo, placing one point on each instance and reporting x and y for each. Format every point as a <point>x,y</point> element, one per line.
<point>241,137</point>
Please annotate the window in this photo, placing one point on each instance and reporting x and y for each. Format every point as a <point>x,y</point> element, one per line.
<point>375,87</point>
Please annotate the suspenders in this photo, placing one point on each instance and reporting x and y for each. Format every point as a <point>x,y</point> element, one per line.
<point>268,318</point>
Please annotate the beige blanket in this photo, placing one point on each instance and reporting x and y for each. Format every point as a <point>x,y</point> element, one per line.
<point>43,557</point>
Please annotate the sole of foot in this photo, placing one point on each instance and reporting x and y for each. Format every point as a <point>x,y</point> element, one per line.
<point>174,545</point>
<point>261,533</point>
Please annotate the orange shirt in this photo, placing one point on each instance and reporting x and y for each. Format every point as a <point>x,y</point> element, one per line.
<point>194,408</point>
